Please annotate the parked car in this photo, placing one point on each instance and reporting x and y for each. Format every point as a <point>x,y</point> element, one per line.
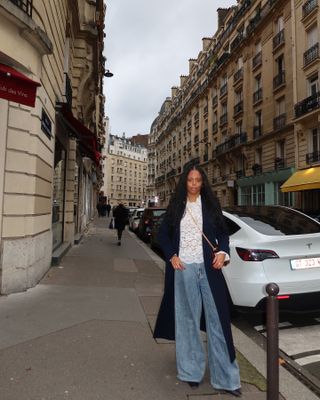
<point>154,243</point>
<point>148,218</point>
<point>273,244</point>
<point>135,218</point>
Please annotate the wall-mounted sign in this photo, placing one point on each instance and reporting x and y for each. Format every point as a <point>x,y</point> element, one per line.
<point>14,86</point>
<point>46,124</point>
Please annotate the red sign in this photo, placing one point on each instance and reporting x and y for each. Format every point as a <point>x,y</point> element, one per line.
<point>14,86</point>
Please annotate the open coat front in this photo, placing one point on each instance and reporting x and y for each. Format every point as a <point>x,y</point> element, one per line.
<point>165,325</point>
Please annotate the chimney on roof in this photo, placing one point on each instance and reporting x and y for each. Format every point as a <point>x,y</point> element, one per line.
<point>182,79</point>
<point>206,43</point>
<point>222,13</point>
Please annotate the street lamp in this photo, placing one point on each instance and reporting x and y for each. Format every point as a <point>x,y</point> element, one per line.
<point>108,74</point>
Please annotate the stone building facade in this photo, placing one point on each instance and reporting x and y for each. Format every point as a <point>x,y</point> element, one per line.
<point>126,172</point>
<point>51,131</point>
<point>244,111</point>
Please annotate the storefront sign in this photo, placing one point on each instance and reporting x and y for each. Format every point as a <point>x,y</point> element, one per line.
<point>14,86</point>
<point>46,124</point>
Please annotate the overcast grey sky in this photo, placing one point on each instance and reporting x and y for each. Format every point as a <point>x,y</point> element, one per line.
<point>147,45</point>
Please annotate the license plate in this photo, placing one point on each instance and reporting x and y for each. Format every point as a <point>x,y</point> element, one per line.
<point>305,263</point>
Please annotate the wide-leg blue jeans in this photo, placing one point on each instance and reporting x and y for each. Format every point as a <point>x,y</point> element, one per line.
<point>191,291</point>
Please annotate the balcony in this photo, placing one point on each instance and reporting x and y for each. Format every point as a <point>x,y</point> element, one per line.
<point>68,90</point>
<point>171,173</point>
<point>278,40</point>
<point>257,169</point>
<point>214,101</point>
<point>308,7</point>
<point>279,122</point>
<point>313,157</point>
<point>257,60</point>
<point>279,163</point>
<point>24,5</point>
<point>279,80</point>
<point>215,127</point>
<point>311,55</point>
<point>257,96</point>
<point>309,104</point>
<point>224,89</point>
<point>224,119</point>
<point>257,131</point>
<point>238,76</point>
<point>237,41</point>
<point>234,141</point>
<point>240,173</point>
<point>238,108</point>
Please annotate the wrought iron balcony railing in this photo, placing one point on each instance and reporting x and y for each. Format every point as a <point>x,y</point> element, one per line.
<point>238,108</point>
<point>278,39</point>
<point>257,95</point>
<point>279,80</point>
<point>279,163</point>
<point>309,104</point>
<point>313,157</point>
<point>257,131</point>
<point>234,141</point>
<point>224,119</point>
<point>308,7</point>
<point>240,173</point>
<point>311,54</point>
<point>257,60</point>
<point>24,5</point>
<point>238,75</point>
<point>279,122</point>
<point>223,89</point>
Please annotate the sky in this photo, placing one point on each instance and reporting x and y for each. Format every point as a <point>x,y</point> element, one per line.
<point>148,44</point>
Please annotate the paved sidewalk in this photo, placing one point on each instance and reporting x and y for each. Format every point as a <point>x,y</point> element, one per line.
<point>85,332</point>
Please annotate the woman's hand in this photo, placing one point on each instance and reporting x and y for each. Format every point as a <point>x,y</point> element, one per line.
<point>218,260</point>
<point>176,263</point>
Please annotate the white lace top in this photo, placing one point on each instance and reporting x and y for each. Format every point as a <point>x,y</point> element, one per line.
<point>190,250</point>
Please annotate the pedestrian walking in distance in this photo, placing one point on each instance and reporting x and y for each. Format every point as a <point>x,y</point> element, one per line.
<point>108,208</point>
<point>120,214</point>
<point>192,228</point>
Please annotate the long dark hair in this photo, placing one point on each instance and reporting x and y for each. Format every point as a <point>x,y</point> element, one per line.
<point>178,201</point>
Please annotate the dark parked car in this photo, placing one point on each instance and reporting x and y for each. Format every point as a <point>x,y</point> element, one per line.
<point>149,216</point>
<point>154,243</point>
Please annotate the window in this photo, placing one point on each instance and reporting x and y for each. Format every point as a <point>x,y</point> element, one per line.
<point>312,36</point>
<point>258,47</point>
<point>258,119</point>
<point>258,195</point>
<point>258,156</point>
<point>315,139</point>
<point>280,149</point>
<point>238,97</point>
<point>282,199</point>
<point>313,85</point>
<point>279,24</point>
<point>280,65</point>
<point>240,62</point>
<point>239,127</point>
<point>257,82</point>
<point>280,106</point>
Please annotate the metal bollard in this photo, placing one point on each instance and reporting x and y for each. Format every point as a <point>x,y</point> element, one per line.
<point>272,342</point>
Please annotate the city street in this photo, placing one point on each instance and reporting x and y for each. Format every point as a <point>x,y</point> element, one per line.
<point>85,332</point>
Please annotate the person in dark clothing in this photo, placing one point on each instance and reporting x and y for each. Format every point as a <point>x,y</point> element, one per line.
<point>194,239</point>
<point>120,214</point>
<point>108,208</point>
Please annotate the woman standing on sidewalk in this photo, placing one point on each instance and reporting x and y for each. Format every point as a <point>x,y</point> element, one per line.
<point>194,280</point>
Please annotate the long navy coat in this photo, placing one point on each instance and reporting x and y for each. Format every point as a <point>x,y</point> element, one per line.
<point>165,325</point>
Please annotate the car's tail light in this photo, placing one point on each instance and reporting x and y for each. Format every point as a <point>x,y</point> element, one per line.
<point>283,297</point>
<point>255,254</point>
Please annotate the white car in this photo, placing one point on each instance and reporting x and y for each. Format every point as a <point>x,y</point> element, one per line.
<point>135,218</point>
<point>273,244</point>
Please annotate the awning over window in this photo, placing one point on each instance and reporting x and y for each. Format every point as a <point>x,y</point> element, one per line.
<point>88,140</point>
<point>17,87</point>
<point>304,179</point>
